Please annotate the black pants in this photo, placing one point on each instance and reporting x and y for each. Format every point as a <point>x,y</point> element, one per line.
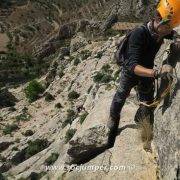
<point>145,89</point>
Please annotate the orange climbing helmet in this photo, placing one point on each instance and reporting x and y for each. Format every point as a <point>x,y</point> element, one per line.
<point>170,12</point>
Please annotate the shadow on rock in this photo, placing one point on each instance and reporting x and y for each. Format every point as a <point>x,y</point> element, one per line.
<point>132,126</point>
<point>88,145</point>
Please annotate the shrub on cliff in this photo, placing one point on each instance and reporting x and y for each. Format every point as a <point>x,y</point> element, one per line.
<point>76,61</point>
<point>101,77</point>
<point>85,54</point>
<point>106,68</point>
<point>51,159</point>
<point>71,115</point>
<point>58,105</point>
<point>36,146</point>
<point>23,117</point>
<point>9,128</point>
<point>69,134</point>
<point>33,90</point>
<point>49,97</point>
<point>73,95</point>
<point>83,117</point>
<point>105,75</point>
<point>28,133</point>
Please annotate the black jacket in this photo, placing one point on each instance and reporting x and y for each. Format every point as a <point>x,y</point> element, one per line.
<point>142,48</point>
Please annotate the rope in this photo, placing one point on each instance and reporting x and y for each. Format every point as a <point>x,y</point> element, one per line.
<point>157,100</point>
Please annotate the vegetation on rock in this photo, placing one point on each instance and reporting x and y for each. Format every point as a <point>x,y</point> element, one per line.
<point>69,134</point>
<point>103,76</point>
<point>73,95</point>
<point>85,54</point>
<point>76,61</point>
<point>51,159</point>
<point>9,128</point>
<point>23,117</point>
<point>28,133</point>
<point>35,146</point>
<point>71,115</point>
<point>49,97</point>
<point>83,117</point>
<point>58,105</point>
<point>15,148</point>
<point>33,90</point>
<point>99,55</point>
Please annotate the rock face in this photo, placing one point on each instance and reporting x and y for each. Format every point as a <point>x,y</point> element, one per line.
<point>167,128</point>
<point>87,145</point>
<point>83,148</point>
<point>78,42</point>
<point>43,36</point>
<point>74,122</point>
<point>68,30</point>
<point>126,160</point>
<point>109,22</point>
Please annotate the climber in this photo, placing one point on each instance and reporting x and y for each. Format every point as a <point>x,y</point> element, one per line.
<point>138,67</point>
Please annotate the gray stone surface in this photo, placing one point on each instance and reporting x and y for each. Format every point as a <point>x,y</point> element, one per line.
<point>167,128</point>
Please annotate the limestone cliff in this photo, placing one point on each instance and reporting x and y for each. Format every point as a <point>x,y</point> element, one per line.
<point>71,126</point>
<point>60,119</point>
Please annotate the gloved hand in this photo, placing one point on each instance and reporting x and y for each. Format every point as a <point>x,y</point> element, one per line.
<point>163,72</point>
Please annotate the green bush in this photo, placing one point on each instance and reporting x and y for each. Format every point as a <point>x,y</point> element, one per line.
<point>99,55</point>
<point>33,90</point>
<point>49,97</point>
<point>101,77</point>
<point>28,133</point>
<point>76,61</point>
<point>35,146</point>
<point>69,134</point>
<point>14,148</point>
<point>23,117</point>
<point>106,78</point>
<point>58,105</point>
<point>85,54</point>
<point>106,68</point>
<point>51,159</point>
<point>61,73</point>
<point>83,117</point>
<point>9,128</point>
<point>97,78</point>
<point>71,115</point>
<point>73,95</point>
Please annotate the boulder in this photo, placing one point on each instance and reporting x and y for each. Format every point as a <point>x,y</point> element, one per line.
<point>82,148</point>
